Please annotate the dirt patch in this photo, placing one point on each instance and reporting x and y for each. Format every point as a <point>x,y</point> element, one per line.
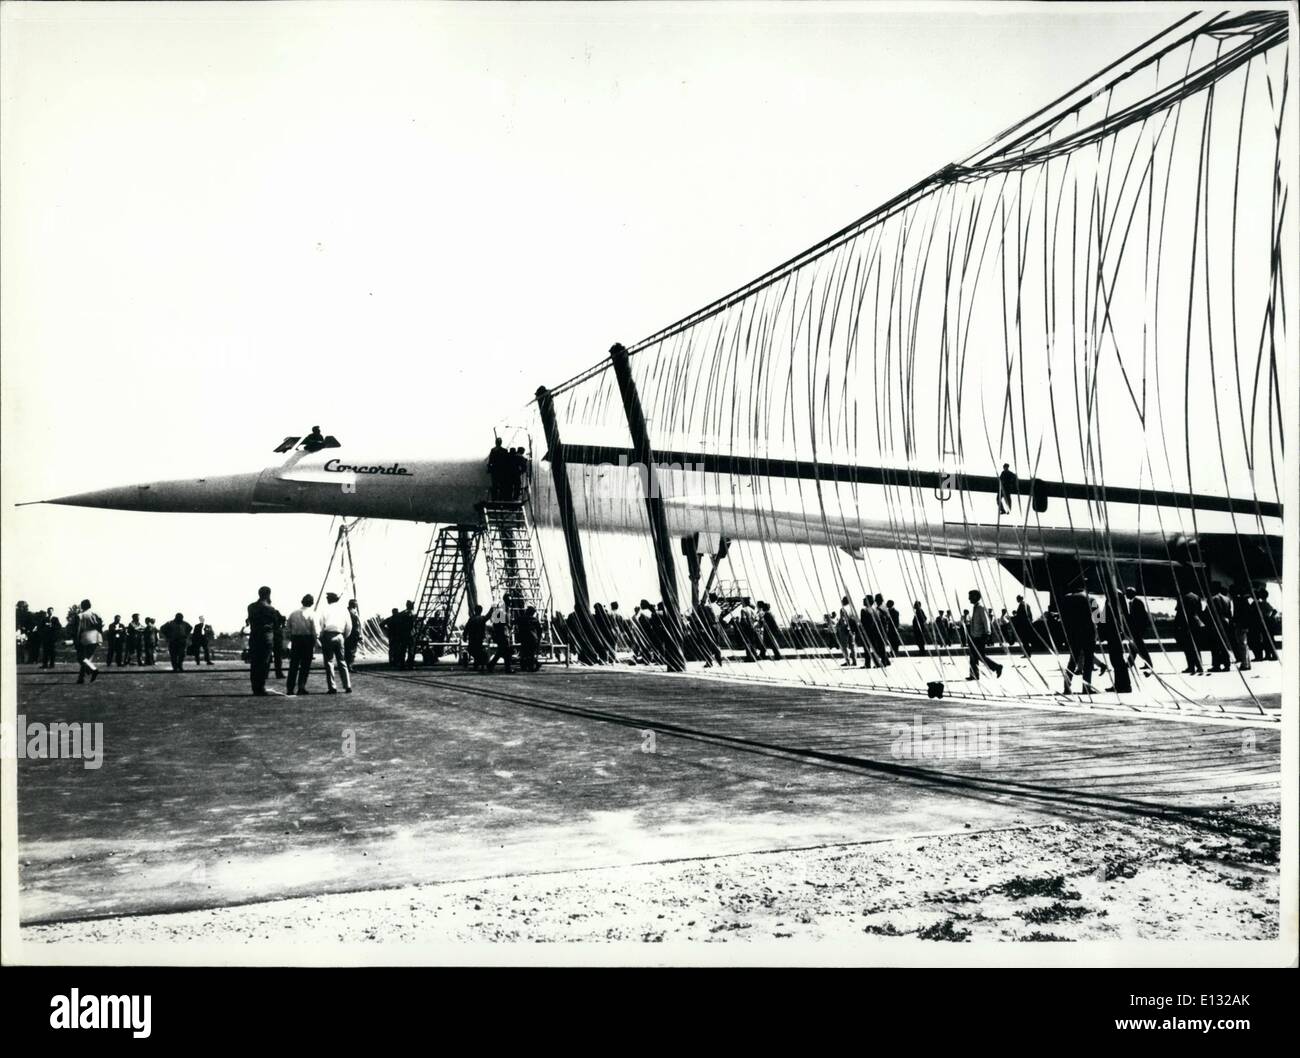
<point>1161,879</point>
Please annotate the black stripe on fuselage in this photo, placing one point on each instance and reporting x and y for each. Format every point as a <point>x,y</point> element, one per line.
<point>852,474</point>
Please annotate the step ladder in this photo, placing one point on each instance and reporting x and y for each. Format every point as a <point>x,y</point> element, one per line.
<point>443,592</point>
<point>512,564</point>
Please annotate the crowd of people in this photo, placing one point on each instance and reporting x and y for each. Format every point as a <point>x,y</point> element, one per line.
<point>1237,627</point>
<point>41,635</point>
<point>1233,627</point>
<point>330,627</point>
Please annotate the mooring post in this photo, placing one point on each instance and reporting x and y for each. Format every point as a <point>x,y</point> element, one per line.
<point>643,452</point>
<point>691,549</point>
<point>584,630</point>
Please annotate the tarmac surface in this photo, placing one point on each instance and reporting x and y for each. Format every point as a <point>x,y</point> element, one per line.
<point>209,798</point>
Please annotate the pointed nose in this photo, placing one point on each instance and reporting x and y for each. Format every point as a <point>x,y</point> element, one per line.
<point>223,494</point>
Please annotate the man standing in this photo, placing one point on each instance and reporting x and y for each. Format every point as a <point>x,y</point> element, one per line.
<point>1187,622</point>
<point>263,620</point>
<point>201,641</point>
<point>893,628</point>
<point>941,630</point>
<point>29,637</point>
<point>115,638</point>
<point>498,468</point>
<point>500,638</point>
<point>86,636</point>
<point>1241,626</point>
<point>712,615</point>
<point>979,636</point>
<point>134,641</point>
<point>1007,484</point>
<point>518,473</point>
<point>873,635</point>
<point>1139,627</point>
<point>177,633</point>
<point>1220,622</point>
<point>51,632</point>
<point>353,639</point>
<point>407,626</point>
<point>530,638</point>
<point>1080,637</point>
<point>278,651</point>
<point>1262,615</point>
<point>150,638</point>
<point>335,627</point>
<point>1023,626</point>
<point>303,630</point>
<point>390,626</point>
<point>475,632</point>
<point>744,619</point>
<point>919,630</point>
<point>767,632</point>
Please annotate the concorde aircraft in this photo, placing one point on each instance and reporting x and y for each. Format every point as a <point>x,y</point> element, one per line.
<point>905,384</point>
<point>1046,542</point>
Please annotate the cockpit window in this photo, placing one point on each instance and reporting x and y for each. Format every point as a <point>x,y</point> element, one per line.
<point>286,445</point>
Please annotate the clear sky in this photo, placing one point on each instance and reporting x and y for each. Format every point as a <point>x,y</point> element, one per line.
<point>224,223</point>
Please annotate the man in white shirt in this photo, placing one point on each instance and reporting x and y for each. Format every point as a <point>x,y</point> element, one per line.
<point>500,632</point>
<point>335,627</point>
<point>303,629</point>
<point>979,637</point>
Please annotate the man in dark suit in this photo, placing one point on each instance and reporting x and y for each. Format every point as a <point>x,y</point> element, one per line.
<point>1260,634</point>
<point>408,627</point>
<point>263,621</point>
<point>873,635</point>
<point>475,634</point>
<point>1139,627</point>
<point>392,631</point>
<point>498,468</point>
<point>893,628</point>
<point>51,633</point>
<point>1220,628</point>
<point>201,641</point>
<point>530,639</point>
<point>1023,625</point>
<point>115,637</point>
<point>518,473</point>
<point>1080,637</point>
<point>177,633</point>
<point>1188,626</point>
<point>1007,485</point>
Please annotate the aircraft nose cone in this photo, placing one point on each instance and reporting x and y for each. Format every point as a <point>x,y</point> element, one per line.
<point>228,493</point>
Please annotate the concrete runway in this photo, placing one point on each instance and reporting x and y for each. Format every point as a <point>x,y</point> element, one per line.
<point>209,797</point>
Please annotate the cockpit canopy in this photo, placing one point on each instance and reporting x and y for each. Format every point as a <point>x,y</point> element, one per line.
<point>308,443</point>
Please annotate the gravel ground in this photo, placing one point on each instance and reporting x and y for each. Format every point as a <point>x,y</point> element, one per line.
<point>1153,880</point>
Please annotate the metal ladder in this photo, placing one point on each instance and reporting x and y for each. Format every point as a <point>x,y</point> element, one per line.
<point>445,581</point>
<point>512,565</point>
